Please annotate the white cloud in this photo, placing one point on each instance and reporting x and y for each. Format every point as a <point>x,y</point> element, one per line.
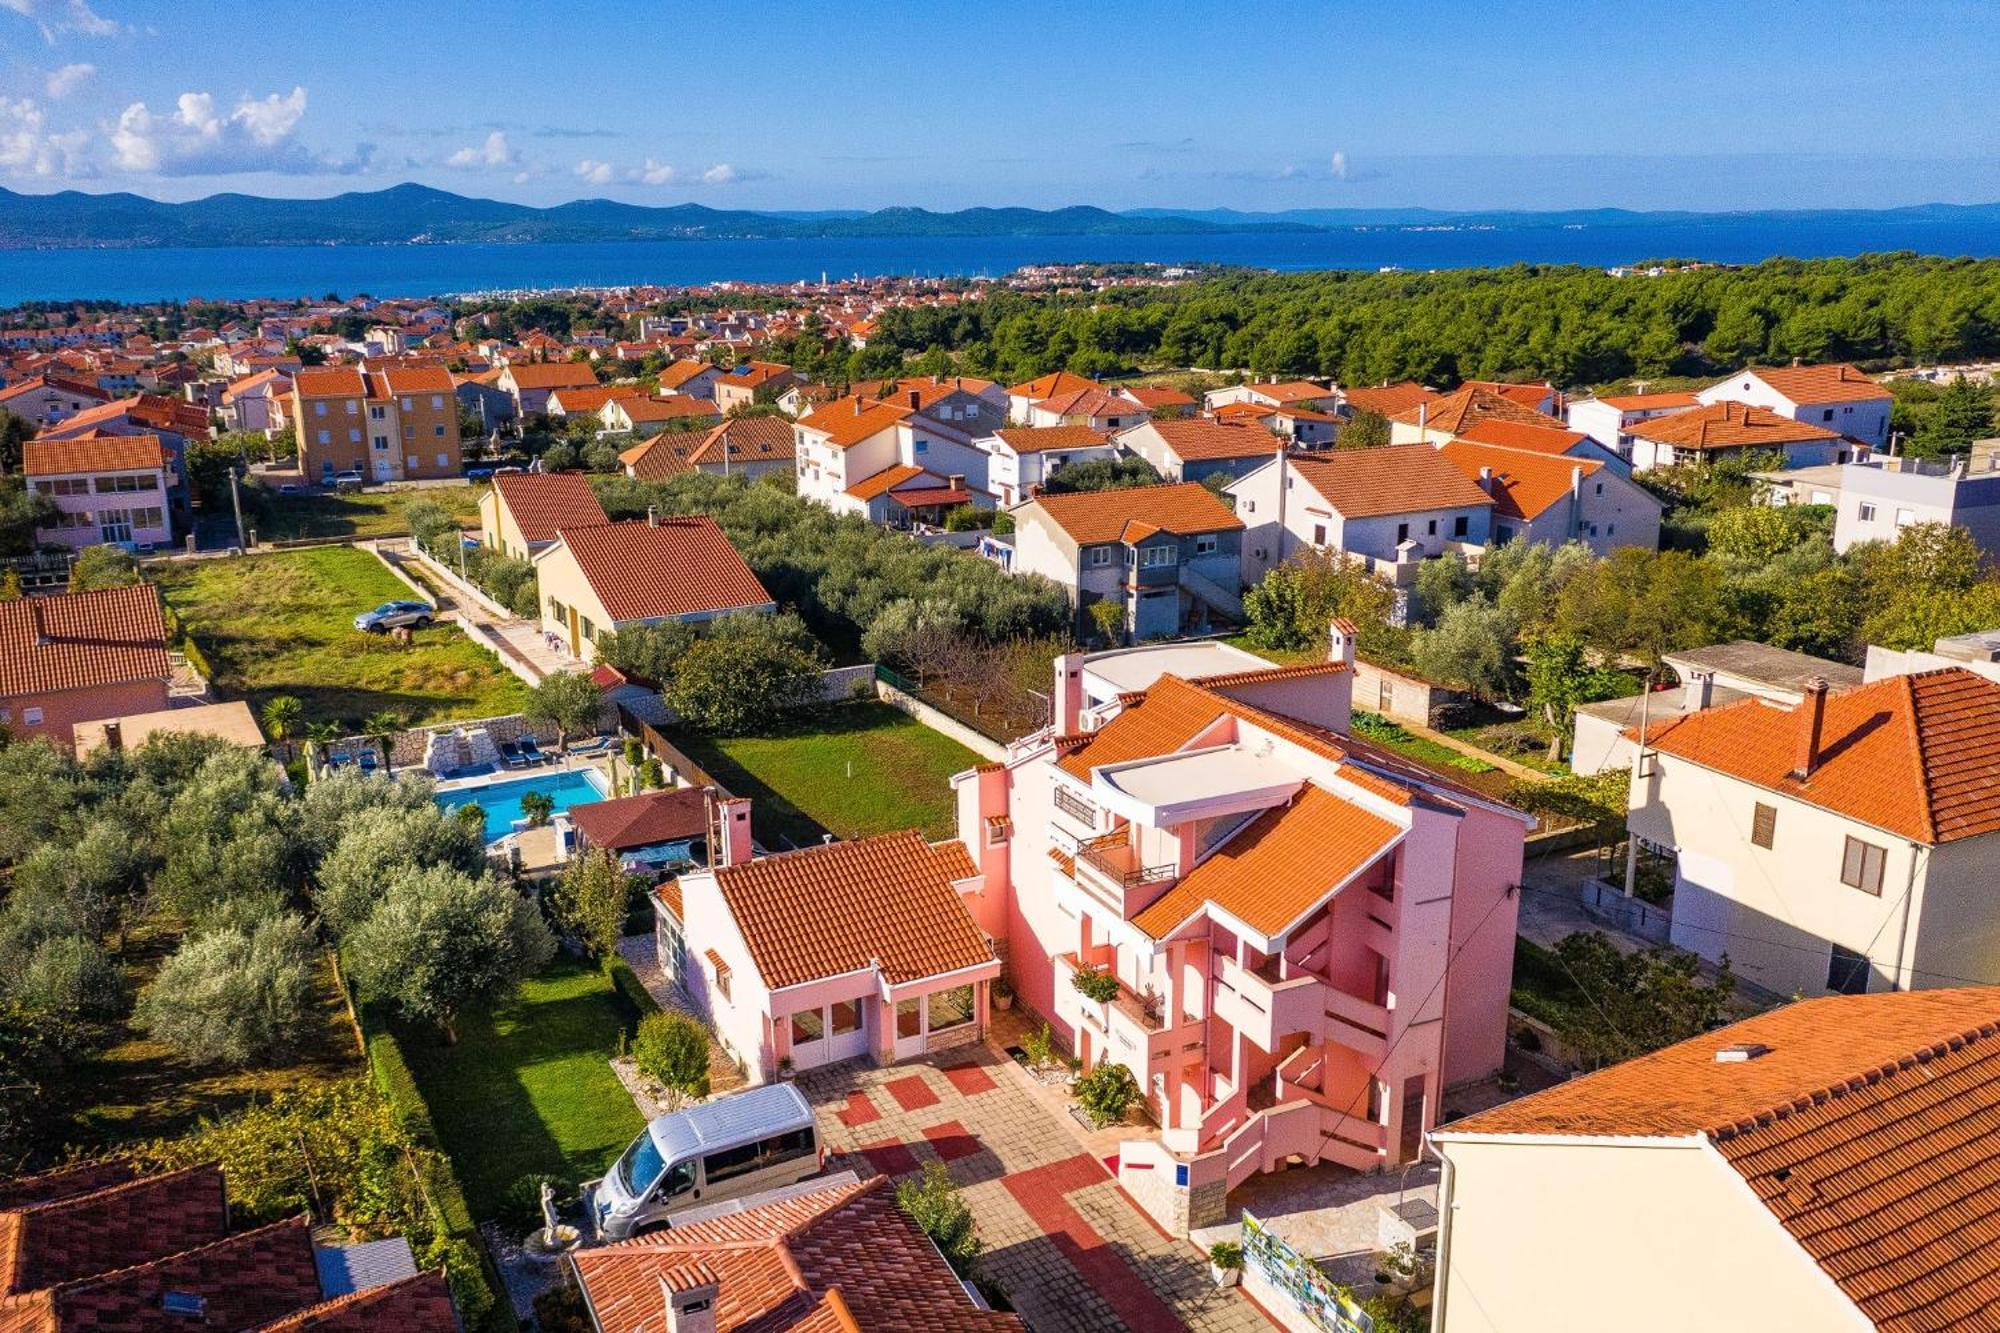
<point>1339,166</point>
<point>719,174</point>
<point>495,152</point>
<point>198,139</point>
<point>29,148</point>
<point>25,8</point>
<point>594,172</point>
<point>62,82</point>
<point>655,173</point>
<point>70,17</point>
<point>82,18</point>
<point>523,177</point>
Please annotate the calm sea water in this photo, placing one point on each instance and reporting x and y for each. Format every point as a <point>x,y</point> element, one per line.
<point>421,270</point>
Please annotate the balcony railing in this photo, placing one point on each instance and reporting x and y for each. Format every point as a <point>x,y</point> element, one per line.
<point>1075,806</point>
<point>1114,858</point>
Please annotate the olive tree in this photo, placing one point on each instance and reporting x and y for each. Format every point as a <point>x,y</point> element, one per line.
<point>380,842</point>
<point>569,701</point>
<point>235,994</point>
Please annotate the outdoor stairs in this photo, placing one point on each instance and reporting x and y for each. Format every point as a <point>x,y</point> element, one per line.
<point>1217,597</point>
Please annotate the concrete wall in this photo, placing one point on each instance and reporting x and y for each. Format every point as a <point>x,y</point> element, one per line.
<point>983,746</point>
<point>61,710</point>
<point>1394,695</point>
<point>1642,1239</point>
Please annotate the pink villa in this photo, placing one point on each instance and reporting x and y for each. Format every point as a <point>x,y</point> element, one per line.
<point>106,489</point>
<point>1312,939</point>
<point>861,949</point>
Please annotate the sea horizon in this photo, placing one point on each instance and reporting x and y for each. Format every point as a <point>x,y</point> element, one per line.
<point>138,274</point>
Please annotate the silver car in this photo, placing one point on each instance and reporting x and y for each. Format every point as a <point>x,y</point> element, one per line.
<point>395,615</point>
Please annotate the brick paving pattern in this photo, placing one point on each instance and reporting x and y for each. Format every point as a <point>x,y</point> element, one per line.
<point>1073,1253</point>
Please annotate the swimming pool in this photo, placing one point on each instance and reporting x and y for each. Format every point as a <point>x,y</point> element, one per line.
<point>502,800</point>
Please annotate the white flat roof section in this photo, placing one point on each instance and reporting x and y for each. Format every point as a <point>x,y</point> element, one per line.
<point>1124,670</point>
<point>1196,784</point>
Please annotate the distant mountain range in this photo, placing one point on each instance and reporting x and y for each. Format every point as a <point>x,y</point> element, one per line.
<point>418,213</point>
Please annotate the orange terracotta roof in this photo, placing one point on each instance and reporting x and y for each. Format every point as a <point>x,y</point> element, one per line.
<point>669,893</point>
<point>1549,439</point>
<point>587,397</point>
<point>1047,386</point>
<point>929,389</point>
<point>641,409</point>
<point>329,382</point>
<point>414,379</point>
<point>1151,397</point>
<point>667,454</point>
<point>1198,438</point>
<point>845,906</point>
<point>680,372</point>
<point>1090,402</point>
<point>551,374</point>
<point>1865,1126</point>
<point>1530,395</point>
<point>1044,439</point>
<point>45,1242</point>
<point>1293,391</point>
<point>1184,508</point>
<point>77,640</point>
<point>1838,383</point>
<point>678,567</point>
<point>542,503</point>
<point>754,373</point>
<point>835,1260</point>
<point>1262,675</point>
<point>846,422</point>
<point>1523,484</point>
<point>885,481</point>
<point>1728,425</point>
<point>1389,399</point>
<point>420,1303</point>
<point>1274,871</point>
<point>1391,479</point>
<point>1468,405</point>
<point>746,440</point>
<point>643,820</point>
<point>1916,755</point>
<point>114,453</point>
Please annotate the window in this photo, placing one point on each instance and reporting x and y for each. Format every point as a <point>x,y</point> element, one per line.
<point>1861,866</point>
<point>1461,526</point>
<point>1154,556</point>
<point>381,442</point>
<point>1205,545</point>
<point>1319,534</point>
<point>375,413</point>
<point>781,1148</point>
<point>1100,555</point>
<point>444,460</point>
<point>909,1018</point>
<point>1431,528</point>
<point>1904,518</point>
<point>1867,513</point>
<point>923,446</point>
<point>438,431</point>
<point>679,1180</point>
<point>846,1016</point>
<point>409,431</point>
<point>326,437</point>
<point>1763,824</point>
<point>732,1162</point>
<point>1600,488</point>
<point>64,486</point>
<point>1847,972</point>
<point>31,716</point>
<point>1826,415</point>
<point>950,1009</point>
<point>807,1025</point>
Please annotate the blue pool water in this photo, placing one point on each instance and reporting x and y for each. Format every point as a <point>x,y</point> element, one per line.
<point>502,800</point>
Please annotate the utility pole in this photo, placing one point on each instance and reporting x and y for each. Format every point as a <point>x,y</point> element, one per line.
<point>1638,763</point>
<point>236,504</point>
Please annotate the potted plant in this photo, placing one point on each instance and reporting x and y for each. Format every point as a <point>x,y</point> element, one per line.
<point>1003,994</point>
<point>1225,1262</point>
<point>785,1067</point>
<point>1095,984</point>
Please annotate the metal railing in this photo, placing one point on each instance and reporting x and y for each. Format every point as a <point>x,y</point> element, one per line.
<point>1075,806</point>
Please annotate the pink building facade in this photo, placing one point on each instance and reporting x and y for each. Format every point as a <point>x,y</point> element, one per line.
<point>111,489</point>
<point>1311,939</point>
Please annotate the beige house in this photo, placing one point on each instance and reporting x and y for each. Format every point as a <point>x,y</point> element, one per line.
<point>1818,1167</point>
<point>519,515</point>
<point>600,579</point>
<point>1848,843</point>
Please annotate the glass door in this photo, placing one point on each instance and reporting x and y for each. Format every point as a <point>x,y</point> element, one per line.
<point>115,525</point>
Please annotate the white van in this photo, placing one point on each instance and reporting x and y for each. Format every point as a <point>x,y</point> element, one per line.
<point>725,1149</point>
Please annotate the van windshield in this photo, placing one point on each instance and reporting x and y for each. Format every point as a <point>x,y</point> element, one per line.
<point>639,1167</point>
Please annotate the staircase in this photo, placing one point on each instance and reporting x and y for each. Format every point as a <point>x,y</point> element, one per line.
<point>1217,597</point>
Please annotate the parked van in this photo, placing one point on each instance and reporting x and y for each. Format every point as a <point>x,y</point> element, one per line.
<point>725,1149</point>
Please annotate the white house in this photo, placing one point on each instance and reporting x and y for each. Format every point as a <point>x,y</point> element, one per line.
<point>1609,420</point>
<point>1558,498</point>
<point>1838,398</point>
<point>1190,448</point>
<point>1729,429</point>
<point>1390,505</point>
<point>1024,457</point>
<point>856,454</point>
<point>1877,500</point>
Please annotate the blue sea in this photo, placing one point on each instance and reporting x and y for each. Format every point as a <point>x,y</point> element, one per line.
<point>429,270</point>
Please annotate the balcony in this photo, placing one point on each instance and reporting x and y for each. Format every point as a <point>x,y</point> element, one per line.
<point>1264,1009</point>
<point>1131,1028</point>
<point>1082,811</point>
<point>1108,872</point>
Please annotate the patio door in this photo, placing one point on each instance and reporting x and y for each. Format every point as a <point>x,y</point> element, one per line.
<point>909,1019</point>
<point>828,1034</point>
<point>919,1020</point>
<point>115,526</point>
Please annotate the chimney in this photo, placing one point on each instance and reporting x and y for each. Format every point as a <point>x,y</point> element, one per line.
<point>857,405</point>
<point>1700,690</point>
<point>1811,714</point>
<point>1340,641</point>
<point>114,735</point>
<point>1486,479</point>
<point>916,400</point>
<point>955,482</point>
<point>37,623</point>
<point>652,516</point>
<point>689,1292</point>
<point>1424,417</point>
<point>735,830</point>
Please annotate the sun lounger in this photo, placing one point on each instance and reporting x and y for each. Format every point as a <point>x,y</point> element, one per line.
<point>510,755</point>
<point>368,761</point>
<point>530,752</point>
<point>595,745</point>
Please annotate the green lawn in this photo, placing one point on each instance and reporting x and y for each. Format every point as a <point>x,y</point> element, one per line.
<point>528,1088</point>
<point>360,514</point>
<point>862,768</point>
<point>283,624</point>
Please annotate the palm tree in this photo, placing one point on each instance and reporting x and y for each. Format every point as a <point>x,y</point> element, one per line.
<point>281,717</point>
<point>380,725</point>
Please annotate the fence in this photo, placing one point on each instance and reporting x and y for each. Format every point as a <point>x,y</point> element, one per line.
<point>677,763</point>
<point>900,694</point>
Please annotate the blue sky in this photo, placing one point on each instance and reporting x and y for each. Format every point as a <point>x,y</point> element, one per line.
<point>947,105</point>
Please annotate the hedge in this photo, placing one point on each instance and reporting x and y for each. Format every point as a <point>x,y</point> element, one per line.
<point>392,1075</point>
<point>636,999</point>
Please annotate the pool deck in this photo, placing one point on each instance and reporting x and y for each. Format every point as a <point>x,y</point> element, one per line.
<point>477,781</point>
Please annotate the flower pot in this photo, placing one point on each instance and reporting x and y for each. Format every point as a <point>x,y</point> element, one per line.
<point>1225,1277</point>
<point>1003,1002</point>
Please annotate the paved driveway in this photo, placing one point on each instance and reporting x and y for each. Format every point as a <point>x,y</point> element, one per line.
<point>1070,1249</point>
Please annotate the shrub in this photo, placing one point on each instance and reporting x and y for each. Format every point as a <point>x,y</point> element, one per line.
<point>69,974</point>
<point>590,901</point>
<point>748,672</point>
<point>538,806</point>
<point>1106,1093</point>
<point>940,1212</point>
<point>1095,984</point>
<point>233,995</point>
<point>103,567</point>
<point>1226,1254</point>
<point>673,1048</point>
<point>1039,1046</point>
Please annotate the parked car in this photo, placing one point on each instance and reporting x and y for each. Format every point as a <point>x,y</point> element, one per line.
<point>395,615</point>
<point>347,481</point>
<point>508,471</point>
<point>478,473</point>
<point>288,488</point>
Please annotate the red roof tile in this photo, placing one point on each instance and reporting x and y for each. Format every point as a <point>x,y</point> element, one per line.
<point>420,1303</point>
<point>1042,439</point>
<point>677,567</point>
<point>73,641</point>
<point>846,422</point>
<point>116,453</point>
<point>329,382</point>
<point>66,1238</point>
<point>1916,755</point>
<point>1184,508</point>
<point>1836,383</point>
<point>1523,484</point>
<point>1391,479</point>
<point>1199,439</point>
<point>640,821</point>
<point>1728,425</point>
<point>541,503</point>
<point>550,374</point>
<point>839,908</point>
<point>1469,404</point>
<point>1389,399</point>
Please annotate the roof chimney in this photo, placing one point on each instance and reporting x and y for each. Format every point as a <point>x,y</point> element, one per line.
<point>1340,641</point>
<point>1486,479</point>
<point>652,516</point>
<point>1811,714</point>
<point>954,482</point>
<point>1700,690</point>
<point>689,1291</point>
<point>857,404</point>
<point>114,735</point>
<point>37,623</point>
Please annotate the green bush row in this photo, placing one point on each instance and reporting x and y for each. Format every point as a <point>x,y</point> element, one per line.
<point>633,996</point>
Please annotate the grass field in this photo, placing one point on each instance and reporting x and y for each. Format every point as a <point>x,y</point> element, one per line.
<point>528,1088</point>
<point>361,514</point>
<point>283,624</point>
<point>862,768</point>
<point>136,1088</point>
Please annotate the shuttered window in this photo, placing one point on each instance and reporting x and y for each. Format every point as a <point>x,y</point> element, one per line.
<point>1763,824</point>
<point>1861,866</point>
